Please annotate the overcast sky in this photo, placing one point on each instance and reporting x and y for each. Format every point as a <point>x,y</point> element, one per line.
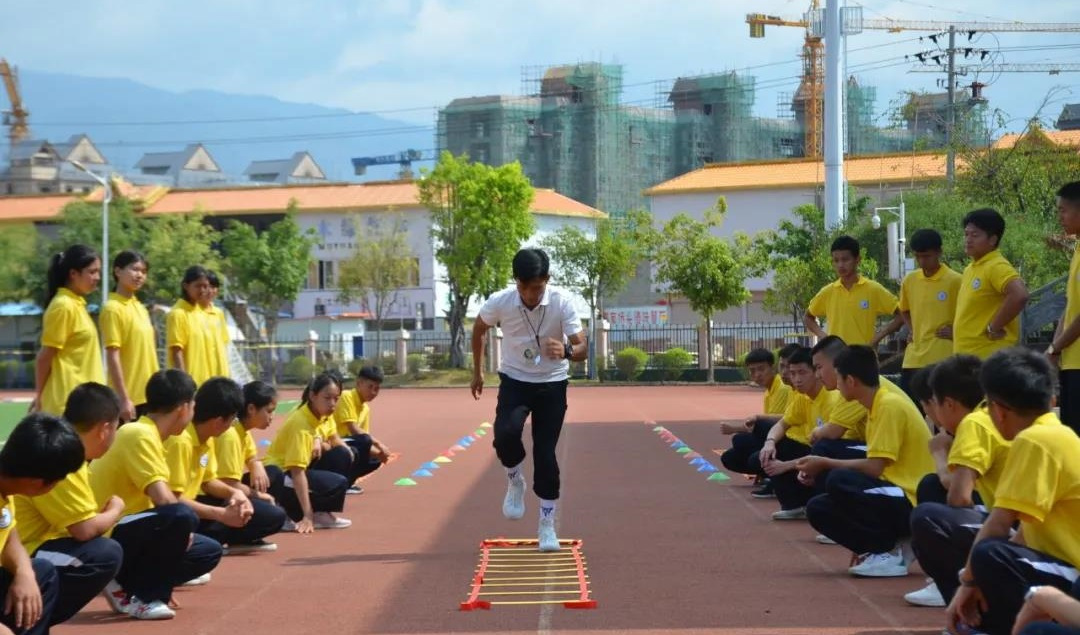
<point>406,57</point>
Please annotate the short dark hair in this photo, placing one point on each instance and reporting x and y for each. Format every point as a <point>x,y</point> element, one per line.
<point>259,394</point>
<point>1070,192</point>
<point>830,346</point>
<point>988,220</point>
<point>860,362</point>
<point>846,243</point>
<point>125,259</point>
<point>920,383</point>
<point>213,279</point>
<point>1020,379</point>
<point>958,377</point>
<point>319,383</point>
<point>42,446</point>
<point>372,373</point>
<point>90,404</point>
<point>925,240</point>
<point>787,350</point>
<point>530,263</point>
<point>760,356</point>
<point>802,356</point>
<point>167,390</point>
<point>218,397</point>
<point>194,273</point>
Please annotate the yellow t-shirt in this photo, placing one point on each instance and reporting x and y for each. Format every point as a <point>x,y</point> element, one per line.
<point>1070,356</point>
<point>852,314</point>
<point>352,408</point>
<point>931,302</point>
<point>218,341</point>
<point>233,450</point>
<point>125,325</point>
<point>803,414</point>
<point>982,290</point>
<point>188,329</point>
<point>191,463</point>
<point>47,517</point>
<point>777,397</point>
<point>68,327</point>
<point>978,445</point>
<point>852,416</point>
<point>7,520</point>
<point>135,461</point>
<point>896,431</point>
<point>1041,482</point>
<point>293,443</point>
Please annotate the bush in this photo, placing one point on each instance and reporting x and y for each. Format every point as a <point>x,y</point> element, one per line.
<point>299,370</point>
<point>673,362</point>
<point>631,361</point>
<point>415,362</point>
<point>439,360</point>
<point>356,364</point>
<point>389,365</point>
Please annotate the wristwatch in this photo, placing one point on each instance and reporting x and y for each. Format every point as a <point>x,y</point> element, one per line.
<point>1031,593</point>
<point>1050,350</point>
<point>568,350</point>
<point>964,581</point>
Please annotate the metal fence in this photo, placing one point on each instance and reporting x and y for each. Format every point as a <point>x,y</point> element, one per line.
<point>731,342</point>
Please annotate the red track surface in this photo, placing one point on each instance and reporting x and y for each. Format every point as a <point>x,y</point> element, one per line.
<point>667,550</point>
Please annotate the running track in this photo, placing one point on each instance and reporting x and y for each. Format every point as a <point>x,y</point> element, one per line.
<point>667,550</point>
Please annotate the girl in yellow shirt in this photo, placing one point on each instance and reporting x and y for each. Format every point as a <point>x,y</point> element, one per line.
<point>70,349</point>
<point>130,348</point>
<point>217,327</point>
<point>189,340</point>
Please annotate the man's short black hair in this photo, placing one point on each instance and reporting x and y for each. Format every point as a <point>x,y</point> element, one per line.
<point>920,384</point>
<point>373,373</point>
<point>760,356</point>
<point>787,350</point>
<point>530,263</point>
<point>218,397</point>
<point>802,356</point>
<point>1019,379</point>
<point>830,346</point>
<point>925,240</point>
<point>846,243</point>
<point>90,404</point>
<point>1070,192</point>
<point>167,390</point>
<point>860,362</point>
<point>958,377</point>
<point>42,446</point>
<point>988,220</point>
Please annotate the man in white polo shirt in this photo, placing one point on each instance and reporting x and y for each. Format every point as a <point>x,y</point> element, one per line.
<point>541,334</point>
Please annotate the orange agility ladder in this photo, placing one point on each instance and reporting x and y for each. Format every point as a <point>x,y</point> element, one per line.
<point>516,571</point>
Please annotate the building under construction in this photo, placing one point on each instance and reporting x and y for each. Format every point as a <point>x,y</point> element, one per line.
<point>571,131</point>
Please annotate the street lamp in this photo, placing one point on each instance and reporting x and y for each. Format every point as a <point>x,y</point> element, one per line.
<point>901,238</point>
<point>105,262</point>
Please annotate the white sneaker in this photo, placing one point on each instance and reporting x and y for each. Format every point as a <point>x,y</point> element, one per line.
<point>289,525</point>
<point>799,513</point>
<point>202,580</point>
<point>116,597</point>
<point>514,503</point>
<point>929,596</point>
<point>156,610</point>
<point>825,540</point>
<point>880,565</point>
<point>326,520</point>
<point>252,547</point>
<point>548,540</point>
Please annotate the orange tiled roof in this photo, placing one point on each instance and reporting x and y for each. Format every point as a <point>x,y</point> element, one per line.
<point>33,207</point>
<point>1060,137</point>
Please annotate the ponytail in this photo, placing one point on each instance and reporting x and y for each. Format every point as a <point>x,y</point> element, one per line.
<point>75,258</point>
<point>318,384</point>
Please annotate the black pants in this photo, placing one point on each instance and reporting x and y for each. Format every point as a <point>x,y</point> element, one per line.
<point>49,583</point>
<point>864,514</point>
<point>547,404</point>
<point>1005,571</point>
<point>745,445</point>
<point>266,520</point>
<point>1049,628</point>
<point>1069,401</point>
<point>931,490</point>
<point>941,537</point>
<point>841,449</point>
<point>156,553</point>
<point>84,568</point>
<point>790,493</point>
<point>352,461</point>
<point>325,489</point>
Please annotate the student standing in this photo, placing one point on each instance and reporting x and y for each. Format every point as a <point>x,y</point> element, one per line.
<point>1065,349</point>
<point>130,347</point>
<point>70,349</point>
<point>217,328</point>
<point>187,334</point>
<point>541,335</point>
<point>353,417</point>
<point>991,295</point>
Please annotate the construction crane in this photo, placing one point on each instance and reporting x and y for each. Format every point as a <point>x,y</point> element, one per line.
<point>405,159</point>
<point>812,84</point>
<point>16,118</point>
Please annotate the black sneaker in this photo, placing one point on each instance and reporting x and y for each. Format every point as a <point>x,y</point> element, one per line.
<point>355,489</point>
<point>764,491</point>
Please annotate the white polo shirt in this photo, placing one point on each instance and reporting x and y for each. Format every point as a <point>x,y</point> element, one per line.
<point>554,317</point>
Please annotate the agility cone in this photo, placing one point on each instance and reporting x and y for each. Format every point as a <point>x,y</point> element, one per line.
<point>718,476</point>
<point>683,450</point>
<point>404,481</point>
<point>422,473</point>
<point>442,459</point>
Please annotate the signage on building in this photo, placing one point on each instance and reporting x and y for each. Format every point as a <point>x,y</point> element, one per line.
<point>637,316</point>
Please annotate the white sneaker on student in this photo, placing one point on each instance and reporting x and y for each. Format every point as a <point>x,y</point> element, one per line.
<point>929,596</point>
<point>514,502</point>
<point>156,610</point>
<point>202,580</point>
<point>880,565</point>
<point>116,597</point>
<point>824,540</point>
<point>289,525</point>
<point>799,513</point>
<point>326,520</point>
<point>548,540</point>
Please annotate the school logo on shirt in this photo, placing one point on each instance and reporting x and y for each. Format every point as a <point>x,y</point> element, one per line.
<point>942,296</point>
<point>976,283</point>
<point>204,460</point>
<point>864,304</point>
<point>5,518</point>
<point>820,422</point>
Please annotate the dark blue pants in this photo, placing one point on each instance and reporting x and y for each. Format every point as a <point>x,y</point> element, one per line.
<point>156,553</point>
<point>1069,400</point>
<point>325,489</point>
<point>84,568</point>
<point>745,445</point>
<point>546,402</point>
<point>266,520</point>
<point>49,583</point>
<point>790,493</point>
<point>351,461</point>
<point>1005,571</point>
<point>931,490</point>
<point>941,537</point>
<point>864,514</point>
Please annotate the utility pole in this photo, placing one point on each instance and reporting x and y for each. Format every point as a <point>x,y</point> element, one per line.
<point>834,117</point>
<point>950,115</point>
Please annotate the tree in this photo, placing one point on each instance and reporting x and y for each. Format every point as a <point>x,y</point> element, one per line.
<point>379,266</point>
<point>172,244</point>
<point>479,218</point>
<point>19,244</point>
<point>710,272</point>
<point>268,268</point>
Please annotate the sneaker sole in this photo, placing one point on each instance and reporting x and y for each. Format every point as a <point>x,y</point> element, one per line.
<point>895,573</point>
<point>762,496</point>
<point>929,605</point>
<point>245,549</point>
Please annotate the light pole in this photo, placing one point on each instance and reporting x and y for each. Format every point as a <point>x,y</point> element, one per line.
<point>105,261</point>
<point>901,239</point>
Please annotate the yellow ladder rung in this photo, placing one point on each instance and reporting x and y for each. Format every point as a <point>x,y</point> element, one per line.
<point>538,583</point>
<point>519,602</point>
<point>575,592</point>
<point>540,577</point>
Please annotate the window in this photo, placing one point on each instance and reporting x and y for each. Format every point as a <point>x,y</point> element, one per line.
<point>321,275</point>
<point>45,189</point>
<point>479,129</point>
<point>414,274</point>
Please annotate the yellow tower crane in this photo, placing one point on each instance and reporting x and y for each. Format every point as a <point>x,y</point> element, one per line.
<point>15,118</point>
